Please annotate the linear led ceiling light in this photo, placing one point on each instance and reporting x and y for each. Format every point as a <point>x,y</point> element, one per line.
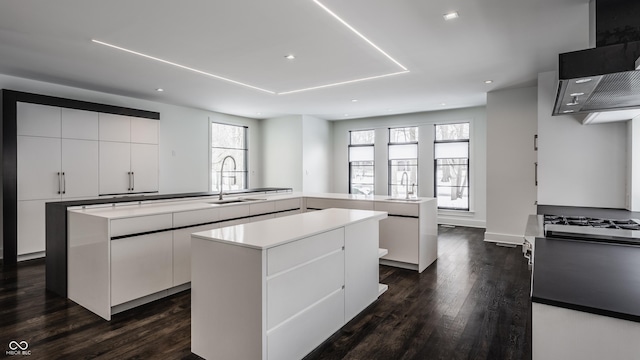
<point>403,71</point>
<point>181,66</point>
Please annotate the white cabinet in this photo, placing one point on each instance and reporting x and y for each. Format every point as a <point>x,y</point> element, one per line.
<point>31,226</point>
<point>115,128</point>
<point>140,266</point>
<point>115,167</point>
<point>38,120</point>
<point>144,131</point>
<point>144,168</point>
<point>400,236</point>
<point>182,252</point>
<point>39,161</point>
<point>79,124</point>
<point>79,168</point>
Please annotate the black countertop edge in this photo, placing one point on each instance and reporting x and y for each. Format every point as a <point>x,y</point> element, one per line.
<point>134,198</point>
<point>586,309</point>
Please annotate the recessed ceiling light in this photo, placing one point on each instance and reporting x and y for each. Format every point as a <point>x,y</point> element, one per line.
<point>290,57</point>
<point>450,16</point>
<point>159,89</point>
<point>258,113</point>
<point>346,114</point>
<point>443,104</point>
<point>582,81</point>
<point>577,94</point>
<point>354,100</point>
<point>488,81</point>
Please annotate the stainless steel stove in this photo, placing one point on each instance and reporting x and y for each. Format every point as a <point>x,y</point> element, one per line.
<point>618,231</point>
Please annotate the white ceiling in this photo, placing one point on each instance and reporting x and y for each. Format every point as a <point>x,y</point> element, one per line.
<point>507,41</point>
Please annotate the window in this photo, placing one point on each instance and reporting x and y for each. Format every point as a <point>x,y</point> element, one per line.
<point>451,153</point>
<point>228,140</point>
<point>403,162</point>
<point>361,162</point>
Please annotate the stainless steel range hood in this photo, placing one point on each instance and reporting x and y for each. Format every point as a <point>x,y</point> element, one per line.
<point>606,77</point>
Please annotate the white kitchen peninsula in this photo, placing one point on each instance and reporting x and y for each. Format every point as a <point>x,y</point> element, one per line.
<point>276,289</point>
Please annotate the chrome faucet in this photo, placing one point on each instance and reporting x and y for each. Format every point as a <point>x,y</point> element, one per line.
<point>222,169</point>
<point>402,182</point>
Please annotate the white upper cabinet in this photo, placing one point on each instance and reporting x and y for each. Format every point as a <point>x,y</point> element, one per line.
<point>79,124</point>
<point>144,131</point>
<point>38,120</point>
<point>115,128</point>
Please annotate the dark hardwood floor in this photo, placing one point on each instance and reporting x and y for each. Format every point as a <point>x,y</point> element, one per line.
<point>472,303</point>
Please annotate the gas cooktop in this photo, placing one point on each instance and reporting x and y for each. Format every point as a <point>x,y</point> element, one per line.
<point>618,231</point>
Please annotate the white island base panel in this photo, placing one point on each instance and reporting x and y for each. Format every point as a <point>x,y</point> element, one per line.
<point>276,289</point>
<point>560,333</point>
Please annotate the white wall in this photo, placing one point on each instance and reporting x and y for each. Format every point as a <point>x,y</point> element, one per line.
<point>633,164</point>
<point>476,116</point>
<point>282,152</point>
<point>511,191</point>
<point>317,149</point>
<point>578,165</point>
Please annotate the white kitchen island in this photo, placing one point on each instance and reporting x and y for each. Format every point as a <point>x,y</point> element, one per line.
<point>276,289</point>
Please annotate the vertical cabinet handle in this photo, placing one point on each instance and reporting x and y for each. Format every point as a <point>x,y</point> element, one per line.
<point>129,176</point>
<point>59,183</point>
<point>133,181</point>
<point>535,142</point>
<point>536,173</point>
<point>64,183</point>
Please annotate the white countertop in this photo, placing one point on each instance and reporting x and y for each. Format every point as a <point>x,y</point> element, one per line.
<point>273,232</point>
<point>126,210</point>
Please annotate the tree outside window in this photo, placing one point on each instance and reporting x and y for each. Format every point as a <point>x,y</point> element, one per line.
<point>451,150</point>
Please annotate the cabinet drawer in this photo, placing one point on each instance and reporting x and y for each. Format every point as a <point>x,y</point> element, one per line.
<point>289,204</point>
<point>289,341</point>
<point>295,253</point>
<point>398,208</point>
<point>194,217</point>
<point>293,291</point>
<point>141,266</point>
<point>262,207</point>
<point>140,224</point>
<point>234,211</point>
<point>290,212</point>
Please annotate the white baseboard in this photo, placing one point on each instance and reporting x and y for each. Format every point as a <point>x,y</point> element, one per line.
<point>503,238</point>
<point>31,256</point>
<point>462,222</point>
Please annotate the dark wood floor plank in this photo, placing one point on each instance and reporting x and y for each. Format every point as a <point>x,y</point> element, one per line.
<point>472,303</point>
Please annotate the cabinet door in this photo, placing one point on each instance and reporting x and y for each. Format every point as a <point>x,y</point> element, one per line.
<point>31,226</point>
<point>79,168</point>
<point>114,127</point>
<point>38,168</point>
<point>141,266</point>
<point>79,124</point>
<point>144,131</point>
<point>182,252</point>
<point>115,166</point>
<point>144,165</point>
<point>400,235</point>
<point>37,120</point>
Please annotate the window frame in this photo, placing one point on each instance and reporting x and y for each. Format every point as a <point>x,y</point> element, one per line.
<point>389,160</point>
<point>468,164</point>
<point>350,163</point>
<point>245,150</point>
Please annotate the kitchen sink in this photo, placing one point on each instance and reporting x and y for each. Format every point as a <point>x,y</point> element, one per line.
<point>402,199</point>
<point>232,201</point>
